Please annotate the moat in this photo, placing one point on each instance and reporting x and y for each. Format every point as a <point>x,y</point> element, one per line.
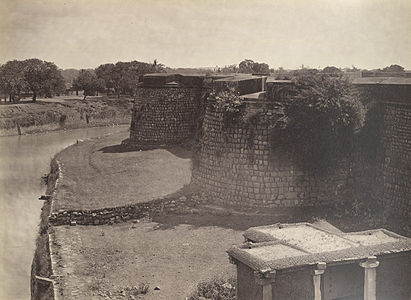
<point>24,160</point>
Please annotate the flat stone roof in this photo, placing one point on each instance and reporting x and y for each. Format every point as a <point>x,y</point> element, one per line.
<point>283,246</point>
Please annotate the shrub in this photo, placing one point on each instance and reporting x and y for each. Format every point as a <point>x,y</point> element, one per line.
<point>320,119</point>
<point>216,289</point>
<point>228,100</point>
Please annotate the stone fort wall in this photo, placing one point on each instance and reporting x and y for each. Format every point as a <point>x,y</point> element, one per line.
<point>244,166</point>
<point>163,115</point>
<point>393,167</point>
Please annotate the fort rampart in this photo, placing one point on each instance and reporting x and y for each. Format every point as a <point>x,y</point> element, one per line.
<point>244,165</point>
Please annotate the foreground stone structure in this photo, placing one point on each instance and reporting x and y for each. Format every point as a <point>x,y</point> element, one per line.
<point>302,261</point>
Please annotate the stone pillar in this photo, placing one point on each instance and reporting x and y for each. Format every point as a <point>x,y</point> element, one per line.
<point>317,272</point>
<point>265,279</point>
<point>370,277</point>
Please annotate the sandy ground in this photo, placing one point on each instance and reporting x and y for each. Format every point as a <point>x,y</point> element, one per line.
<point>97,174</point>
<point>105,262</point>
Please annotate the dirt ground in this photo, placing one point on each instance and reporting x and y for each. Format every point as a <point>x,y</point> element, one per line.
<point>97,174</point>
<point>106,262</point>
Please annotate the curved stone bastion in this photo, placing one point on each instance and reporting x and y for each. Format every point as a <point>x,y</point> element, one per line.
<point>169,108</point>
<point>246,166</point>
<point>243,166</point>
<point>166,109</point>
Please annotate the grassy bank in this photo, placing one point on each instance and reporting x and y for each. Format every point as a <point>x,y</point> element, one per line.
<point>100,174</point>
<point>63,113</point>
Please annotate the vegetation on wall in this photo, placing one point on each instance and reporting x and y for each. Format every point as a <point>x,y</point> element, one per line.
<point>317,122</point>
<point>320,119</point>
<point>228,100</point>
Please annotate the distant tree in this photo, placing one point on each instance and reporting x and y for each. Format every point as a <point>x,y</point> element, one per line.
<point>12,81</point>
<point>124,76</point>
<point>42,76</point>
<point>105,73</point>
<point>332,70</point>
<point>249,66</point>
<point>246,66</point>
<point>69,75</point>
<point>88,81</point>
<point>393,68</point>
<point>230,69</point>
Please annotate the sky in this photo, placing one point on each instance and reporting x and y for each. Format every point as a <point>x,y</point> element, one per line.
<point>205,33</point>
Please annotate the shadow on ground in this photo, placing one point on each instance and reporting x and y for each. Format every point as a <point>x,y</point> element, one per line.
<point>239,222</point>
<point>117,149</point>
<point>177,150</point>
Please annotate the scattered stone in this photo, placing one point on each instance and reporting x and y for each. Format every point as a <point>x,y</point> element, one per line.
<point>73,223</point>
<point>156,288</point>
<point>227,286</point>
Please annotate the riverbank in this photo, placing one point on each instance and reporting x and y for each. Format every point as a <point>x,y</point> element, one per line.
<point>62,113</point>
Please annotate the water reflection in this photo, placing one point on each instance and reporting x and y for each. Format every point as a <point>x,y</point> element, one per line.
<point>23,160</point>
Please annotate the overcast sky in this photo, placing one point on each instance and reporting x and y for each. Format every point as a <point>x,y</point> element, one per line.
<point>181,33</point>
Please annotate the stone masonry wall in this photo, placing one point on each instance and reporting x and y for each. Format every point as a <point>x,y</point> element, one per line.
<point>393,180</point>
<point>241,166</point>
<point>163,115</point>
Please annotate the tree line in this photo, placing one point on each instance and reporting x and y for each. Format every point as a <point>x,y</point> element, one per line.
<point>119,79</point>
<point>31,75</point>
<point>36,77</point>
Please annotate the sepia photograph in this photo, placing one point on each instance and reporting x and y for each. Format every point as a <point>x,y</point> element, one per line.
<point>205,149</point>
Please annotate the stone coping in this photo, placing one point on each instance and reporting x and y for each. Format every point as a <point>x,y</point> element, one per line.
<point>302,250</point>
<point>241,253</point>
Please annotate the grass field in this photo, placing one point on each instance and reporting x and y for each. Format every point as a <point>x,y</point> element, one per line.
<point>98,175</point>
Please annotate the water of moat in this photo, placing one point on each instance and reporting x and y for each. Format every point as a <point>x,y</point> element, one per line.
<point>23,160</point>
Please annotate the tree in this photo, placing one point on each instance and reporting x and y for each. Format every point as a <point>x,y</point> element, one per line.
<point>12,81</point>
<point>246,66</point>
<point>88,81</point>
<point>249,66</point>
<point>229,69</point>
<point>393,68</point>
<point>331,70</point>
<point>42,77</point>
<point>123,77</point>
<point>105,73</point>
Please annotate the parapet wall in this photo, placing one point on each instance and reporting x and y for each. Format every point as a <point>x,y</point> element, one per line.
<point>163,115</point>
<point>242,166</point>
